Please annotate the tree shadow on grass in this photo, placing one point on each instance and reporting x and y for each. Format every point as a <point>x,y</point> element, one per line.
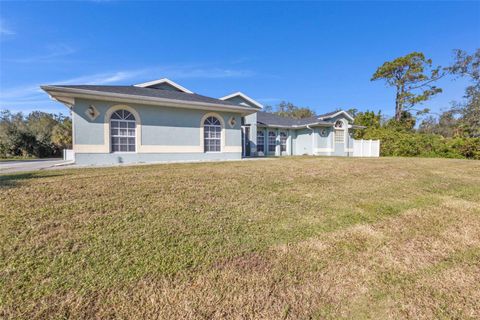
<point>13,180</point>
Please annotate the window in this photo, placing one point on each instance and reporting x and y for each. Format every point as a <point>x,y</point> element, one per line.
<point>122,131</point>
<point>339,136</point>
<point>339,132</point>
<point>272,141</point>
<point>283,141</point>
<point>260,141</point>
<point>212,135</point>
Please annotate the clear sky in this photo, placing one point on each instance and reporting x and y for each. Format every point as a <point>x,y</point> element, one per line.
<point>320,55</point>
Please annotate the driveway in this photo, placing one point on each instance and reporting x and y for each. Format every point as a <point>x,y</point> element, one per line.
<point>29,165</point>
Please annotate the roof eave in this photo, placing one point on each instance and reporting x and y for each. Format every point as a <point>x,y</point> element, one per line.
<point>59,93</point>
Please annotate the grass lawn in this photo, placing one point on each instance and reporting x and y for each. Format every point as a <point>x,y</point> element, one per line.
<point>15,159</point>
<point>278,239</point>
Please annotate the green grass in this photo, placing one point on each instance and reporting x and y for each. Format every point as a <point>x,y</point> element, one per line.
<point>16,159</point>
<point>283,238</point>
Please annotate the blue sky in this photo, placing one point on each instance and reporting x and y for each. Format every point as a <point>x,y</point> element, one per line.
<point>315,54</point>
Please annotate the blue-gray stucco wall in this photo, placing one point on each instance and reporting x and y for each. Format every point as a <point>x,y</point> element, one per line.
<point>160,126</point>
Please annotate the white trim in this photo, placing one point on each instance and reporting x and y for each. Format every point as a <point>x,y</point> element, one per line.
<point>91,148</point>
<point>100,148</point>
<point>286,142</point>
<point>68,101</point>
<point>243,96</point>
<point>127,98</point>
<point>106,126</point>
<point>336,114</point>
<point>222,123</point>
<point>163,80</point>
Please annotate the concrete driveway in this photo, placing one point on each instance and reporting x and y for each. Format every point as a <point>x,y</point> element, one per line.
<point>30,165</point>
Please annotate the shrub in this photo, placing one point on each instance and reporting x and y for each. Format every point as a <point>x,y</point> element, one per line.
<point>404,143</point>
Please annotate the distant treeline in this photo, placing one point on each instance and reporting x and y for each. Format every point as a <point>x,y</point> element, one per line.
<point>37,134</point>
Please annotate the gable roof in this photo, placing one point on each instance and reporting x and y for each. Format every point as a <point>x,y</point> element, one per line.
<point>135,94</point>
<point>153,83</point>
<point>244,97</point>
<point>334,114</point>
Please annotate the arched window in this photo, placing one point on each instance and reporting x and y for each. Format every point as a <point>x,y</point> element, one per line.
<point>260,141</point>
<point>212,135</point>
<point>283,141</point>
<point>272,141</point>
<point>122,131</point>
<point>339,124</point>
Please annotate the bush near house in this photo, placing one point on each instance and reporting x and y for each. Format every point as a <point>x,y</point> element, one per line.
<point>411,144</point>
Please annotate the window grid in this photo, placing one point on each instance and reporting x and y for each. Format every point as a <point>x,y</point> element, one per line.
<point>212,135</point>
<point>339,136</point>
<point>122,131</point>
<point>283,141</point>
<point>260,141</point>
<point>272,137</point>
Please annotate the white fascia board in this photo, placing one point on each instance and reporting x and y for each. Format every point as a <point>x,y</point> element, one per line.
<point>336,114</point>
<point>68,101</point>
<point>164,80</point>
<point>244,96</point>
<point>55,92</point>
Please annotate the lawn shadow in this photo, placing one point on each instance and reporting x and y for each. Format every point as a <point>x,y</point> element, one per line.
<point>12,180</point>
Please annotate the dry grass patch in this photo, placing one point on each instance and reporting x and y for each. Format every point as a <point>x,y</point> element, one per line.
<point>290,238</point>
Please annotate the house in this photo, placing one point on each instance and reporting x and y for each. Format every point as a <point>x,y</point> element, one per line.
<point>163,121</point>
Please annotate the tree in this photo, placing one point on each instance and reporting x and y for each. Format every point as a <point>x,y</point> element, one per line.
<point>62,133</point>
<point>468,66</point>
<point>39,134</point>
<point>413,77</point>
<point>445,125</point>
<point>289,110</point>
<point>368,119</point>
<point>406,122</point>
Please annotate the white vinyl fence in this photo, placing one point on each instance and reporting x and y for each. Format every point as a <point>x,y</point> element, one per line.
<point>68,155</point>
<point>366,148</point>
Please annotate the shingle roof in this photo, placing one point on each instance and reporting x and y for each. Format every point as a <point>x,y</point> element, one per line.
<point>327,114</point>
<point>271,119</point>
<point>149,92</point>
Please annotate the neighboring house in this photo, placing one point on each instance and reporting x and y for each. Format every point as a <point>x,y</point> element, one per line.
<point>163,121</point>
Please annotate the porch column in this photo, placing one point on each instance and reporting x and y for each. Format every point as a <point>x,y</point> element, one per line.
<point>289,142</point>
<point>277,143</point>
